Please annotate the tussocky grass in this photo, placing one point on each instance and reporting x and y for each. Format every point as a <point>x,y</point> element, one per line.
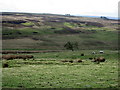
<point>50,72</point>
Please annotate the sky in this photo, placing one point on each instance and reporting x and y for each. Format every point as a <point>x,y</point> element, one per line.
<point>73,7</point>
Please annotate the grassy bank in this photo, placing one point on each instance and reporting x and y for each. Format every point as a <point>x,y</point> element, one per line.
<point>48,71</point>
<point>49,40</point>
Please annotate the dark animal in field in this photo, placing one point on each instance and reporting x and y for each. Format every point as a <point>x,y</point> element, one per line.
<point>90,58</point>
<point>5,65</point>
<point>82,54</point>
<point>71,61</point>
<point>99,59</point>
<point>11,57</point>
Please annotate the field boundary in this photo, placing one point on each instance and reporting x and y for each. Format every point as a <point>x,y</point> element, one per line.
<point>17,52</point>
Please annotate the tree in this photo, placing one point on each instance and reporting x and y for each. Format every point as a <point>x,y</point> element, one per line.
<point>104,17</point>
<point>71,46</point>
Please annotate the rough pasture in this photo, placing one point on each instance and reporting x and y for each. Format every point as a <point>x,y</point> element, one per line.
<point>26,52</point>
<point>49,71</point>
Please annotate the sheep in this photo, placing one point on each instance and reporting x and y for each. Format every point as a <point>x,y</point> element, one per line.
<point>101,52</point>
<point>93,52</point>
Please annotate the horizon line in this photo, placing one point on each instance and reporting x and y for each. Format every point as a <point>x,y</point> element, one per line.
<point>116,17</point>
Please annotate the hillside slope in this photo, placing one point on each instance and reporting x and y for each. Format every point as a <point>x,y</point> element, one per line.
<point>51,32</point>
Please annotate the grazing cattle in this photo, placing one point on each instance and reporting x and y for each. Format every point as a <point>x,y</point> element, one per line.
<point>101,51</point>
<point>99,59</point>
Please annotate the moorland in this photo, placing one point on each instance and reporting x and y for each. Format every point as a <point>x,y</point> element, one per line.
<point>54,66</point>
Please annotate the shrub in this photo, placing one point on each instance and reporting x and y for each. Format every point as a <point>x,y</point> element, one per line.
<point>5,65</point>
<point>71,45</point>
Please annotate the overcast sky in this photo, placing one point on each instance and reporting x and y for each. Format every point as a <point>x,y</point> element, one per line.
<point>74,7</point>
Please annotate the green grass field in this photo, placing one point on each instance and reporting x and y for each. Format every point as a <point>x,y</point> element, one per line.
<point>48,71</point>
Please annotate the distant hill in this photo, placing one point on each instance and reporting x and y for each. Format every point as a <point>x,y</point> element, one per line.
<point>42,31</point>
<point>112,18</point>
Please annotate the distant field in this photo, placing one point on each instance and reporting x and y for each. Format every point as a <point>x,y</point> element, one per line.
<point>51,32</point>
<point>48,71</point>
